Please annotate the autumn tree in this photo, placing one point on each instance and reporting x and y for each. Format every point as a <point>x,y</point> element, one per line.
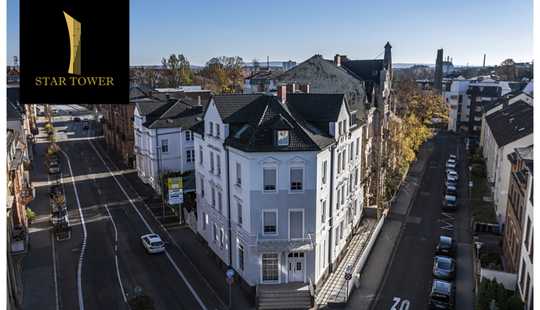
<point>226,72</point>
<point>412,125</point>
<point>177,71</point>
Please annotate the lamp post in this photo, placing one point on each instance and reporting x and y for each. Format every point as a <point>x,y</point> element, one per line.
<point>230,279</point>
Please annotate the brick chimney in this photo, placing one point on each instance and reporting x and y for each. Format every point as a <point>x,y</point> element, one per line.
<point>282,93</point>
<point>337,60</point>
<point>291,88</point>
<point>304,88</point>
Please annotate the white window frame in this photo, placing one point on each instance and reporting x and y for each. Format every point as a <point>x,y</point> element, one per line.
<point>303,223</point>
<point>204,220</point>
<point>188,135</point>
<point>282,141</point>
<point>238,174</point>
<point>243,249</point>
<point>215,234</point>
<point>164,144</point>
<point>324,169</point>
<point>213,197</point>
<point>218,130</point>
<point>218,162</point>
<point>279,268</point>
<point>240,213</point>
<point>212,164</point>
<point>292,191</point>
<point>277,221</point>
<point>189,157</point>
<point>202,186</point>
<point>276,181</point>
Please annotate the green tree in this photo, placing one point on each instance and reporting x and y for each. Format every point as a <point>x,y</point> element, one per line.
<point>507,70</point>
<point>226,72</point>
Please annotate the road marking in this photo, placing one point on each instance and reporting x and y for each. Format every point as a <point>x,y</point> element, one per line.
<point>166,231</point>
<point>83,249</point>
<point>55,274</point>
<point>149,228</point>
<point>116,254</point>
<point>400,304</point>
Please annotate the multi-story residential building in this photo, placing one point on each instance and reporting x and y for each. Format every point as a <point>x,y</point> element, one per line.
<point>517,204</point>
<point>19,194</point>
<point>368,84</point>
<point>262,81</point>
<point>278,183</point>
<point>163,141</point>
<point>502,132</point>
<point>525,275</point>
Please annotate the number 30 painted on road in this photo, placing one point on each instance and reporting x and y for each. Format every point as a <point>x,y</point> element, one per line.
<point>400,304</point>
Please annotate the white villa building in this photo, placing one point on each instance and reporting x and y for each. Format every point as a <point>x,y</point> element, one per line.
<point>278,183</point>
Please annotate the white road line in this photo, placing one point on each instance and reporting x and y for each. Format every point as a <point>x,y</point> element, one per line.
<point>83,248</point>
<point>139,198</point>
<point>116,254</point>
<point>55,274</point>
<point>149,228</point>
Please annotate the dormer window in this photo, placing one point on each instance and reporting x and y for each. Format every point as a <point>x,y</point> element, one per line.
<point>282,137</point>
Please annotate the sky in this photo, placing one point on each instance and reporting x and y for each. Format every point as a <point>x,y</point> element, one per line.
<point>296,30</point>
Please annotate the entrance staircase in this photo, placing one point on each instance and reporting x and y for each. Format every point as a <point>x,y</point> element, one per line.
<point>284,296</point>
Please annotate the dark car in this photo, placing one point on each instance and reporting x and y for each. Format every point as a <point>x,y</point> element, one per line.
<point>76,119</point>
<point>451,190</point>
<point>446,246</point>
<point>85,126</point>
<point>451,182</point>
<point>442,295</point>
<point>449,203</point>
<point>444,268</point>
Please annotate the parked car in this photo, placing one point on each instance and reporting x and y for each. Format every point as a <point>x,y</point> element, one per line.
<point>444,268</point>
<point>452,173</point>
<point>452,156</point>
<point>451,164</point>
<point>85,126</point>
<point>54,167</point>
<point>41,113</point>
<point>451,190</point>
<point>442,295</point>
<point>451,183</point>
<point>446,246</point>
<point>76,119</point>
<point>453,178</point>
<point>153,243</point>
<point>449,203</point>
<point>59,219</point>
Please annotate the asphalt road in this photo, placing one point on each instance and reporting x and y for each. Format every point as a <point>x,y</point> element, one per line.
<point>409,275</point>
<point>103,262</point>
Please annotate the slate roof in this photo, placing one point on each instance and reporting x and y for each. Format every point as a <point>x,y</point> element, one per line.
<point>367,70</point>
<point>254,119</point>
<point>511,123</point>
<point>317,107</point>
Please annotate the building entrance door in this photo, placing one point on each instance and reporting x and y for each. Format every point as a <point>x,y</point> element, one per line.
<point>295,261</point>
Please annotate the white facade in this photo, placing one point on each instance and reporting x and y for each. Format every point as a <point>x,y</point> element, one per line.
<point>161,150</point>
<point>498,167</point>
<point>267,203</point>
<point>458,103</point>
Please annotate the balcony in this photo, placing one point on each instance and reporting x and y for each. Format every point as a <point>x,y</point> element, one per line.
<point>266,243</point>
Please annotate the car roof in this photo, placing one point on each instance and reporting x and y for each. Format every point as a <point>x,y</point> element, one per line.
<point>441,287</point>
<point>445,239</point>
<point>153,237</point>
<point>443,258</point>
<point>450,197</point>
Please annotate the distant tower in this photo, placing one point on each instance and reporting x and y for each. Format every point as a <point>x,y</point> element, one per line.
<point>484,63</point>
<point>388,58</point>
<point>437,82</point>
<point>15,61</point>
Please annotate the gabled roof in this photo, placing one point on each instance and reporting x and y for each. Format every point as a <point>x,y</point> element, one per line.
<point>511,123</point>
<point>317,107</point>
<point>254,119</point>
<point>367,70</point>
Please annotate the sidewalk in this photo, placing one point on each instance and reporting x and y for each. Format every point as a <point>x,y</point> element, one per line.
<point>198,253</point>
<point>374,272</point>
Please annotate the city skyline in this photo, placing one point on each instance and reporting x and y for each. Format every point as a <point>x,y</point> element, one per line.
<point>415,30</point>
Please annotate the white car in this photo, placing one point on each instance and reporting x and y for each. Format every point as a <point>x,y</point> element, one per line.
<point>451,164</point>
<point>153,243</point>
<point>452,156</point>
<point>452,179</point>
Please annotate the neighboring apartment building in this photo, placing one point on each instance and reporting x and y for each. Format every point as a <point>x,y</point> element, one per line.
<point>518,195</point>
<point>366,84</point>
<point>503,131</point>
<point>262,81</point>
<point>163,142</point>
<point>278,183</point>
<point>525,275</point>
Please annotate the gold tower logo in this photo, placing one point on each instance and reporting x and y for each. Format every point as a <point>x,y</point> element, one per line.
<point>74,29</point>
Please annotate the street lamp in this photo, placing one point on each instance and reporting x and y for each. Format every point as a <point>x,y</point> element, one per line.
<point>230,279</point>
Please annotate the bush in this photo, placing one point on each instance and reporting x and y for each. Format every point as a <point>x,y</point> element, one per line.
<point>490,290</point>
<point>30,215</point>
<point>141,302</point>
